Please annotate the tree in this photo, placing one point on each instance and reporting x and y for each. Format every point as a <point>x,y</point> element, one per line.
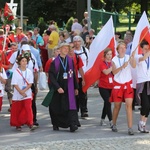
<point>117,5</point>
<point>57,10</point>
<point>62,10</point>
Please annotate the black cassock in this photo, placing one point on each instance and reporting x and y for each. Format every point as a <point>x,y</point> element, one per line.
<point>61,115</point>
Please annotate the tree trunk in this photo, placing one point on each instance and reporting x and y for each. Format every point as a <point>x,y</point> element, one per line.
<point>144,6</point>
<point>81,8</point>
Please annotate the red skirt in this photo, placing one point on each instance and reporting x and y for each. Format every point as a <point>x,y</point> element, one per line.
<point>21,113</point>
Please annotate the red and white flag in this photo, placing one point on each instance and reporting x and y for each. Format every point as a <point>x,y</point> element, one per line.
<point>8,12</point>
<point>141,33</point>
<point>104,39</point>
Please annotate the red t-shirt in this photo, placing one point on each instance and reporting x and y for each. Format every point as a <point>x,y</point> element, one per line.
<point>78,63</point>
<point>104,79</point>
<point>2,43</point>
<point>4,61</point>
<point>47,66</point>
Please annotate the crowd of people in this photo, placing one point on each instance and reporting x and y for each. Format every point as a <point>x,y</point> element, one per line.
<point>63,56</point>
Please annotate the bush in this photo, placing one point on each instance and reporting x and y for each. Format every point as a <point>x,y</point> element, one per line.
<point>42,25</point>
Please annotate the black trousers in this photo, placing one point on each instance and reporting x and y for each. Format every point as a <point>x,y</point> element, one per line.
<point>81,99</point>
<point>34,110</point>
<point>105,94</point>
<point>145,102</point>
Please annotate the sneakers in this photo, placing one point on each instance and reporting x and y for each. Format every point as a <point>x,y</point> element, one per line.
<point>102,123</point>
<point>36,124</point>
<point>145,130</point>
<point>142,128</point>
<point>130,131</point>
<point>32,128</point>
<point>114,128</point>
<point>110,123</point>
<point>18,128</point>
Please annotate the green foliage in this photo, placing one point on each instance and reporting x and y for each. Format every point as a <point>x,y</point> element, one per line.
<point>42,25</point>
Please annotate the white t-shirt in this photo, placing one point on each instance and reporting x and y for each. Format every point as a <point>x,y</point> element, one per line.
<point>4,76</point>
<point>123,75</point>
<point>17,79</point>
<point>76,26</point>
<point>83,57</point>
<point>143,72</point>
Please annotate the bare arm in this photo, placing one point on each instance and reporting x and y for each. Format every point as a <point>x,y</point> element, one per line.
<point>107,71</point>
<point>132,60</point>
<point>82,75</point>
<point>10,65</point>
<point>146,55</point>
<point>2,80</point>
<point>114,70</point>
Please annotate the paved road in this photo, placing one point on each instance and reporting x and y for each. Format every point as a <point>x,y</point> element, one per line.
<point>90,136</point>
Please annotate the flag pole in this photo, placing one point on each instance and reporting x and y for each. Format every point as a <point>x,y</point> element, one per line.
<point>21,13</point>
<point>7,28</point>
<point>142,39</point>
<point>139,43</point>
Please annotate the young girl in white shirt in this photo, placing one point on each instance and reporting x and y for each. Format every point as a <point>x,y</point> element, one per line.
<point>22,79</point>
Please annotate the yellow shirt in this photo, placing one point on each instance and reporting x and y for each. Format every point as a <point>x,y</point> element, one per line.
<point>54,38</point>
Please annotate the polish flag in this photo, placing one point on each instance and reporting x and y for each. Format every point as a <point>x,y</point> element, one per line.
<point>104,39</point>
<point>141,33</point>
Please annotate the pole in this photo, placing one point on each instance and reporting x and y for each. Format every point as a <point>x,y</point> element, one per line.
<point>89,13</point>
<point>21,13</point>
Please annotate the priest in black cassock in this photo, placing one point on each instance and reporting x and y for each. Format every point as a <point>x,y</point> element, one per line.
<point>63,110</point>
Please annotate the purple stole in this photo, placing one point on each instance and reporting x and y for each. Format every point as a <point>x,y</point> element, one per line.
<point>71,94</point>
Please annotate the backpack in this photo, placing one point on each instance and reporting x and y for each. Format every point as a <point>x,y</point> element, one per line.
<point>84,52</point>
<point>33,61</point>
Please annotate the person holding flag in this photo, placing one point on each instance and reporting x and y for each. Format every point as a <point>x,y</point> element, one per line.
<point>105,85</point>
<point>122,90</point>
<point>143,82</point>
<point>141,75</point>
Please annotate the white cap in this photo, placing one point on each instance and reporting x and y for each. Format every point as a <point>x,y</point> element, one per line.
<point>25,47</point>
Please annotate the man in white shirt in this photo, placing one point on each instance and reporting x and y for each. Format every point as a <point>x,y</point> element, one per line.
<point>84,54</point>
<point>76,26</point>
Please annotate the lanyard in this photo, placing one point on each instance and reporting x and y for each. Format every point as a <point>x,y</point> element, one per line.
<point>147,63</point>
<point>64,65</point>
<point>120,61</point>
<point>107,64</point>
<point>24,78</point>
